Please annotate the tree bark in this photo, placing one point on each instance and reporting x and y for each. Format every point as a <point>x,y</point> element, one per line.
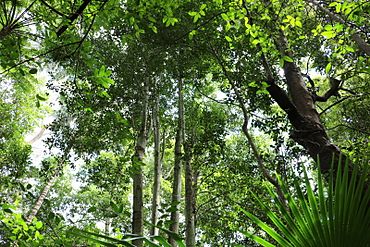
<point>40,200</point>
<point>137,207</point>
<point>190,200</point>
<point>157,168</point>
<point>361,43</point>
<point>176,189</point>
<point>300,108</point>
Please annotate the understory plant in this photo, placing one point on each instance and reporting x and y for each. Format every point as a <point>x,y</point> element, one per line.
<point>336,213</point>
<point>126,239</point>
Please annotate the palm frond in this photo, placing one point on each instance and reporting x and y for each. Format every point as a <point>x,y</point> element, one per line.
<point>337,214</point>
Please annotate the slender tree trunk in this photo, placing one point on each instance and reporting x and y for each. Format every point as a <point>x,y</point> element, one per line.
<point>40,200</point>
<point>107,226</point>
<point>157,168</point>
<point>249,137</point>
<point>38,136</point>
<point>137,207</point>
<point>361,43</point>
<point>176,192</point>
<point>190,200</point>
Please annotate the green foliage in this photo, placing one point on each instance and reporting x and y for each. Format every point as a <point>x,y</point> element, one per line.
<point>125,239</point>
<point>14,228</point>
<point>336,214</point>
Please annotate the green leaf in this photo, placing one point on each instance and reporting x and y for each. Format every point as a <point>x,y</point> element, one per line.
<point>328,34</point>
<point>328,68</point>
<point>91,209</point>
<point>196,17</point>
<point>287,59</point>
<point>8,210</point>
<point>225,16</point>
<point>162,241</point>
<point>38,225</point>
<point>192,13</point>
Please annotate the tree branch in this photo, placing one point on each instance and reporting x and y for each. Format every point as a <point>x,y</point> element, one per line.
<point>73,17</point>
<point>38,56</point>
<point>249,137</point>
<point>361,43</point>
<point>333,91</point>
<point>334,104</point>
<point>52,8</point>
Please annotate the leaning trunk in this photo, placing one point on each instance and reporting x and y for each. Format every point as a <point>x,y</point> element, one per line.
<point>300,107</point>
<point>40,200</point>
<point>176,192</point>
<point>157,168</point>
<point>137,215</point>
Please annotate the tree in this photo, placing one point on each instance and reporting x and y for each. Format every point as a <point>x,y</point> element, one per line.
<point>177,174</point>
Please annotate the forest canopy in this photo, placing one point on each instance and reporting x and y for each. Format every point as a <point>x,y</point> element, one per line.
<point>184,123</point>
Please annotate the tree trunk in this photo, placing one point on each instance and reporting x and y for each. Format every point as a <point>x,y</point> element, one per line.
<point>176,192</point>
<point>301,111</point>
<point>190,200</point>
<point>137,207</point>
<point>40,200</point>
<point>361,43</point>
<point>157,168</point>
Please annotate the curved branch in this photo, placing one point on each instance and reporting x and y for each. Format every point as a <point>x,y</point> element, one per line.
<point>247,134</point>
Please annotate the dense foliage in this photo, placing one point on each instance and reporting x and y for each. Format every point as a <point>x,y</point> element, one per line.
<point>162,122</point>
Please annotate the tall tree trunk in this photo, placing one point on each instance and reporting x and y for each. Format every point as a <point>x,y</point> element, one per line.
<point>176,192</point>
<point>141,141</point>
<point>40,200</point>
<point>361,43</point>
<point>190,199</point>
<point>157,168</point>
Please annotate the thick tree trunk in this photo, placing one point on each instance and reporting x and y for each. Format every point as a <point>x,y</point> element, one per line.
<point>137,207</point>
<point>157,168</point>
<point>176,189</point>
<point>361,43</point>
<point>300,107</point>
<point>190,200</point>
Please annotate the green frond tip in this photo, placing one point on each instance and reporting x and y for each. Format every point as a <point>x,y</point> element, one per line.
<point>335,215</point>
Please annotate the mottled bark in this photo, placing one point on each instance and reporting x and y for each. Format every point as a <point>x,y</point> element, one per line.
<point>176,188</point>
<point>141,141</point>
<point>157,168</point>
<point>190,200</point>
<point>300,108</point>
<point>40,200</point>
